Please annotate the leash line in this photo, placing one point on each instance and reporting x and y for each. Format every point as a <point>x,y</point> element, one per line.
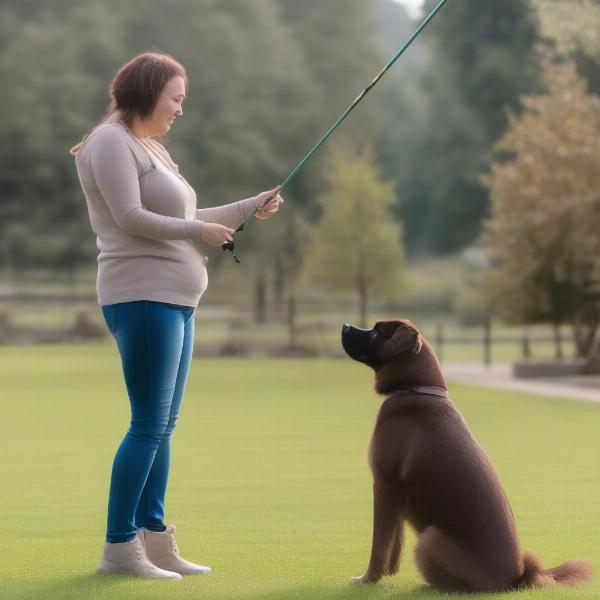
<point>230,246</point>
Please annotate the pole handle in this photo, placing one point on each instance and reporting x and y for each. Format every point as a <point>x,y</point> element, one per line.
<point>230,246</point>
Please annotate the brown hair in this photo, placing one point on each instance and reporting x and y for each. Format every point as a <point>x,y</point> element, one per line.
<point>136,87</point>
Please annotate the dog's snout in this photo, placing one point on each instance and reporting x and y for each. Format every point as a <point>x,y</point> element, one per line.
<point>345,328</point>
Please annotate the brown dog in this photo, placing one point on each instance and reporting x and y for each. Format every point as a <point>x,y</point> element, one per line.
<point>429,470</point>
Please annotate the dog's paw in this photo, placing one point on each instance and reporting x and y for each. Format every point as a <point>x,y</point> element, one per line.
<point>364,579</point>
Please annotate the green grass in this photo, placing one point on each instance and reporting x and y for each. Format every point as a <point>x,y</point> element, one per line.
<point>269,483</point>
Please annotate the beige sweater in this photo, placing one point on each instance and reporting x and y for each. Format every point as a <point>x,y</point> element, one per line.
<point>148,229</point>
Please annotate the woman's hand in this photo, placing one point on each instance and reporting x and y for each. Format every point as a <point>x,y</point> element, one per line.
<point>216,234</point>
<point>271,208</point>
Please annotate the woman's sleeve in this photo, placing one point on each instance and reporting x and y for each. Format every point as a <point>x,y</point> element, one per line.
<point>114,168</point>
<point>231,215</point>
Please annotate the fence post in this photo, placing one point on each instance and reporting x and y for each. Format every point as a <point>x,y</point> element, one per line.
<point>292,324</point>
<point>558,354</point>
<point>487,341</point>
<point>526,344</point>
<point>439,341</point>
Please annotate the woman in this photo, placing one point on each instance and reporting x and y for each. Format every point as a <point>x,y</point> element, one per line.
<point>151,275</point>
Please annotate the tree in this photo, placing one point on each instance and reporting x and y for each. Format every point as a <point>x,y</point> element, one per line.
<point>338,41</point>
<point>294,238</point>
<point>357,243</point>
<point>482,57</point>
<point>491,49</point>
<point>572,26</point>
<point>545,187</point>
<point>431,148</point>
<point>569,30</point>
<point>250,110</point>
<point>48,101</point>
<point>255,104</point>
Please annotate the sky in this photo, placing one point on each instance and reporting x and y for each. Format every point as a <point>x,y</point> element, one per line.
<point>413,6</point>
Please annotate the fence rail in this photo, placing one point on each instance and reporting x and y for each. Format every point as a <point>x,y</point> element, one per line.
<point>53,316</point>
<point>487,341</point>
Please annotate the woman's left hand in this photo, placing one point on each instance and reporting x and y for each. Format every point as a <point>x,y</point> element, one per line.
<point>271,208</point>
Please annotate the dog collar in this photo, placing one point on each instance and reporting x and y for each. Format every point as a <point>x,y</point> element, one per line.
<point>429,390</point>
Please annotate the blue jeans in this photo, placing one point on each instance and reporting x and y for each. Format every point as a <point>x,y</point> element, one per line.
<point>155,341</point>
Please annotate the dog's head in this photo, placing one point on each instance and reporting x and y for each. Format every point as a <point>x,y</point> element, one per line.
<point>380,345</point>
<point>396,351</point>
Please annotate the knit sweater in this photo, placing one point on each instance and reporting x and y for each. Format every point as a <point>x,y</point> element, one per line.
<point>148,229</point>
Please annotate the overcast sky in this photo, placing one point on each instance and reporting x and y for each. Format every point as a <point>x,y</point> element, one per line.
<point>413,6</point>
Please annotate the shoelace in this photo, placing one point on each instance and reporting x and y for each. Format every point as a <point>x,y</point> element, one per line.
<point>139,550</point>
<point>174,549</point>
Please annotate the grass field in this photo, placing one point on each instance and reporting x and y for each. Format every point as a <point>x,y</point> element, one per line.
<point>269,483</point>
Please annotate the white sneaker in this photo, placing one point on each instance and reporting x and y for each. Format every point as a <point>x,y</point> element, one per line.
<point>130,558</point>
<point>161,549</point>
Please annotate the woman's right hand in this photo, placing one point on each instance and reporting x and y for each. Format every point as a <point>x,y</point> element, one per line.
<point>216,234</point>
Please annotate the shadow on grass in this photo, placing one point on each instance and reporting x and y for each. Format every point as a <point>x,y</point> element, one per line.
<point>351,591</point>
<point>90,586</point>
<point>381,591</point>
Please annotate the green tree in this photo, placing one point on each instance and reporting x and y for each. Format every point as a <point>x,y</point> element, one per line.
<point>339,43</point>
<point>429,142</point>
<point>249,111</point>
<point>491,48</point>
<point>49,99</point>
<point>482,58</point>
<point>254,107</point>
<point>357,243</point>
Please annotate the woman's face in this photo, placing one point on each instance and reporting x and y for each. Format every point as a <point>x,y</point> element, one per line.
<point>168,107</point>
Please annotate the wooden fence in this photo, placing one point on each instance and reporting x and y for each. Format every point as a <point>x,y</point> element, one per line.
<point>487,341</point>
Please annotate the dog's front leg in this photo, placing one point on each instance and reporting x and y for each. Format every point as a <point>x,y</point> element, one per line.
<point>387,538</point>
<point>397,540</point>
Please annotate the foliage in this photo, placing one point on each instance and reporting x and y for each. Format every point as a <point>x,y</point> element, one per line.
<point>357,243</point>
<point>253,106</point>
<point>571,25</point>
<point>50,95</point>
<point>543,233</point>
<point>481,58</point>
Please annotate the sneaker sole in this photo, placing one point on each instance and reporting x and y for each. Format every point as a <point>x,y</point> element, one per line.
<point>105,569</point>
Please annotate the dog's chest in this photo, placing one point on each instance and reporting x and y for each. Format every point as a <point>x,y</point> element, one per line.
<point>392,449</point>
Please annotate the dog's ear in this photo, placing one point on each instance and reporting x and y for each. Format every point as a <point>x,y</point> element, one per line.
<point>406,337</point>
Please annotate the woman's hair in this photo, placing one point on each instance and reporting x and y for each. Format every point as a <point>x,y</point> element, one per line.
<point>136,87</point>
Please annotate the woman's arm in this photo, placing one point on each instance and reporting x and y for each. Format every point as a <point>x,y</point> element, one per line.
<point>230,215</point>
<point>115,171</point>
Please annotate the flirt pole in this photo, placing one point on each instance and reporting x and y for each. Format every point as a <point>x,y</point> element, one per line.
<point>230,246</point>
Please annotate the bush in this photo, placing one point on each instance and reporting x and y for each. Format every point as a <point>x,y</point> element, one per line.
<point>86,327</point>
<point>6,327</point>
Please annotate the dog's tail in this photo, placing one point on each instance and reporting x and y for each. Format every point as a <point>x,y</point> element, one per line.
<point>571,572</point>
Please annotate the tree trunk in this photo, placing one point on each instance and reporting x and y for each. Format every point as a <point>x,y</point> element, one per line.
<point>487,340</point>
<point>558,353</point>
<point>292,329</point>
<point>363,295</point>
<point>439,341</point>
<point>278,285</point>
<point>584,336</point>
<point>70,285</point>
<point>260,299</point>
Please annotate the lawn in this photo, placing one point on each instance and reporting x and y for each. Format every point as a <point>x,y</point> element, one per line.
<point>269,482</point>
